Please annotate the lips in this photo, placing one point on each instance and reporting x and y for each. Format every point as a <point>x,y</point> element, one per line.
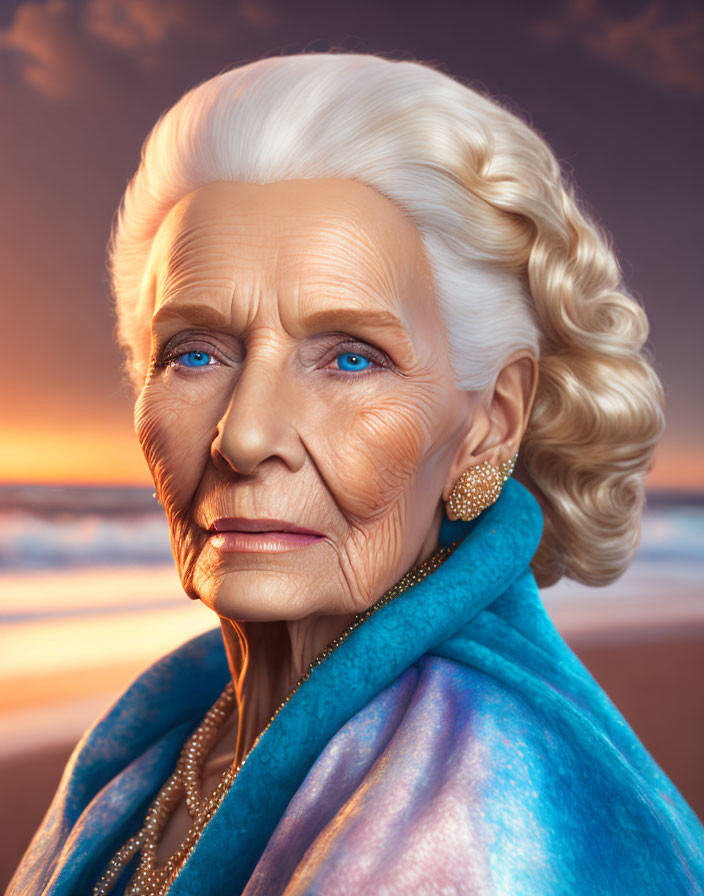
<point>242,524</point>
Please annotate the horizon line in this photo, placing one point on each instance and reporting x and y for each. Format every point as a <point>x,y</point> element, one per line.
<point>653,490</point>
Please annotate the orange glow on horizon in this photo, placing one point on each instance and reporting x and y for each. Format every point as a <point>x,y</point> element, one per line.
<point>677,469</point>
<point>111,456</point>
<point>82,456</point>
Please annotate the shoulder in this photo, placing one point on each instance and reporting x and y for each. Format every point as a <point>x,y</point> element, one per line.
<point>158,708</point>
<point>451,781</point>
<point>175,690</point>
<point>122,758</point>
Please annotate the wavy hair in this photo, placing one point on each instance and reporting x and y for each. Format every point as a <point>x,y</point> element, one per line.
<point>516,263</point>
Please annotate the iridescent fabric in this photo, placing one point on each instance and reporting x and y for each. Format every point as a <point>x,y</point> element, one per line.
<point>452,744</point>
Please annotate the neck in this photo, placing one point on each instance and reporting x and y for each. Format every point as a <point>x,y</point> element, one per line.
<point>266,660</point>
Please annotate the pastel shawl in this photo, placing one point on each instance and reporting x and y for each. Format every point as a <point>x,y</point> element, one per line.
<point>452,744</point>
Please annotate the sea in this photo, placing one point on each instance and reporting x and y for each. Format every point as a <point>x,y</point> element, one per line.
<point>89,597</point>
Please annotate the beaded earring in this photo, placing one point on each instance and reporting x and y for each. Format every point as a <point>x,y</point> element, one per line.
<point>477,488</point>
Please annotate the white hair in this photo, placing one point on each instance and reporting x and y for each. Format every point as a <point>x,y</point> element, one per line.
<point>516,263</point>
<point>395,126</point>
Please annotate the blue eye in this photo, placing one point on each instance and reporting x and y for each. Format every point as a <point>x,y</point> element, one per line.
<point>193,359</point>
<point>352,361</point>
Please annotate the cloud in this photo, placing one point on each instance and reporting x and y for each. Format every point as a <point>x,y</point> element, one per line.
<point>58,46</point>
<point>661,43</point>
<point>257,13</point>
<point>45,42</point>
<point>136,24</point>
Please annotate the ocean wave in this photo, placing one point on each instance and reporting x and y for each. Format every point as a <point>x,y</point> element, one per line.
<point>29,541</point>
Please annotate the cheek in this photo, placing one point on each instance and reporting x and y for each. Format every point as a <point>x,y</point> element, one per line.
<point>380,447</point>
<point>175,441</point>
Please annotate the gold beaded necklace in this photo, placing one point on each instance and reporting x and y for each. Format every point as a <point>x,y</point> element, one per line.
<point>150,880</point>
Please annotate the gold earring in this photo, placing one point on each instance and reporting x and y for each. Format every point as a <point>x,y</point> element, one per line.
<point>477,488</point>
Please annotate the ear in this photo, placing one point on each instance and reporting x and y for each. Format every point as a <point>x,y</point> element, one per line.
<point>499,419</point>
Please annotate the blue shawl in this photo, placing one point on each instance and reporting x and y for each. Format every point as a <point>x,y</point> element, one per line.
<point>452,743</point>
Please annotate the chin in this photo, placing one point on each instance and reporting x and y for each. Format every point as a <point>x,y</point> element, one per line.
<point>254,595</point>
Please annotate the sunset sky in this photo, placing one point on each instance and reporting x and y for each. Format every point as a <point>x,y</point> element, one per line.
<point>616,88</point>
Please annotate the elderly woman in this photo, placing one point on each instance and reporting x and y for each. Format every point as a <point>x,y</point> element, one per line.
<point>353,294</point>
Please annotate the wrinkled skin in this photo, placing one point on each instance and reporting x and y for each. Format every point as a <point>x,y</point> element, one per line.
<point>274,282</point>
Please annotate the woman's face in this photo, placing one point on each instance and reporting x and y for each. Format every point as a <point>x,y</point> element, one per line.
<point>298,373</point>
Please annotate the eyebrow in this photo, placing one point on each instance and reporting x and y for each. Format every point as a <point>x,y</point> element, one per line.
<point>352,317</point>
<point>205,315</point>
<point>193,312</point>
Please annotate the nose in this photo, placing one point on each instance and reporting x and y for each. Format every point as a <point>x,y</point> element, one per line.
<point>258,422</point>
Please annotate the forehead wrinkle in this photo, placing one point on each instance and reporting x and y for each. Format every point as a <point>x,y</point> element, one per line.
<point>334,269</point>
<point>197,277</point>
<point>339,258</point>
<point>200,267</point>
<point>198,254</point>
